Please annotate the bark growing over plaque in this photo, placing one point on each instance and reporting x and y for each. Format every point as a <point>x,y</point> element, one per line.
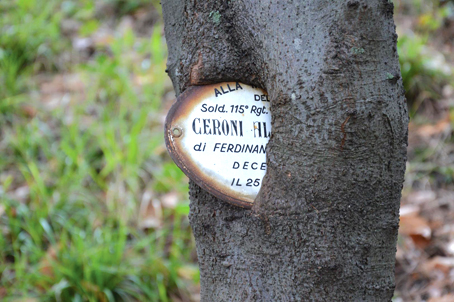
<point>324,226</point>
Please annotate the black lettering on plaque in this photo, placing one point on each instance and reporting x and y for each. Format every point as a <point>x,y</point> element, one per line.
<point>193,126</point>
<point>206,126</point>
<point>216,126</point>
<point>225,127</point>
<point>198,147</point>
<point>234,125</point>
<point>260,129</point>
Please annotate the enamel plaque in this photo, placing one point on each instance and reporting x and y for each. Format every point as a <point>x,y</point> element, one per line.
<point>217,134</point>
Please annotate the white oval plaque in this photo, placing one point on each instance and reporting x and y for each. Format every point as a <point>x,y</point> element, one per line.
<point>217,134</point>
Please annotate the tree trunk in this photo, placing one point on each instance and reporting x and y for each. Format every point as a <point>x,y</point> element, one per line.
<point>324,225</point>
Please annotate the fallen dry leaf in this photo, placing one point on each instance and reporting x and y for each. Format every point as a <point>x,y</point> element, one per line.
<point>442,126</point>
<point>417,228</point>
<point>414,225</point>
<point>446,298</point>
<point>150,212</point>
<point>3,292</point>
<point>46,262</point>
<point>443,264</point>
<point>29,111</point>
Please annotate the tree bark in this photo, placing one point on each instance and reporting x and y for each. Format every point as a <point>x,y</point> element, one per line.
<point>324,225</point>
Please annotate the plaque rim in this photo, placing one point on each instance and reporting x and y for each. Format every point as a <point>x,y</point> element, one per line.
<point>181,107</point>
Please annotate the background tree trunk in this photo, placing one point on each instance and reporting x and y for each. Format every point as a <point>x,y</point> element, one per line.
<point>324,226</point>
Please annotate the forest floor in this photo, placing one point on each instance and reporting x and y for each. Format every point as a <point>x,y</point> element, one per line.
<point>425,252</point>
<point>93,209</point>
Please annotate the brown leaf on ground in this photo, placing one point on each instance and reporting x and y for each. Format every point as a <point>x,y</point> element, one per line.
<point>414,225</point>
<point>29,111</point>
<point>420,241</point>
<point>3,292</point>
<point>150,212</point>
<point>417,228</point>
<point>45,267</point>
<point>442,126</point>
<point>446,298</point>
<point>442,264</point>
<point>429,134</point>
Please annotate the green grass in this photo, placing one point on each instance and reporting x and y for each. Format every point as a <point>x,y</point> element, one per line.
<point>74,176</point>
<point>423,67</point>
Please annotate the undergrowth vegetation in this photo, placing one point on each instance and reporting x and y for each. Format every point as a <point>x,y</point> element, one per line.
<point>91,207</point>
<point>424,68</point>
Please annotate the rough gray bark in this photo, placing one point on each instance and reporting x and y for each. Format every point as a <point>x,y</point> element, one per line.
<point>324,226</point>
